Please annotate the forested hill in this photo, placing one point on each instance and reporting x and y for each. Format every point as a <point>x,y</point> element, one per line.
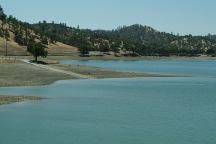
<point>132,40</point>
<point>135,40</point>
<point>212,37</point>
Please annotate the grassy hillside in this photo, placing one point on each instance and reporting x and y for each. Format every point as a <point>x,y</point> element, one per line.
<point>134,40</point>
<point>17,34</point>
<point>57,49</point>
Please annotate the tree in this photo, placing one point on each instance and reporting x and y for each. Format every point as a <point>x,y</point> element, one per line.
<point>211,51</point>
<point>84,49</point>
<point>19,38</point>
<point>104,46</point>
<point>44,40</point>
<point>5,33</point>
<point>2,14</point>
<point>130,47</point>
<point>115,47</point>
<point>37,49</point>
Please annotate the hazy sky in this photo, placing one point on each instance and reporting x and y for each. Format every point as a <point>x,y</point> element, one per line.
<point>178,16</point>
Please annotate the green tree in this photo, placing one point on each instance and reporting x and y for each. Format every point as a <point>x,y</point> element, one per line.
<point>19,38</point>
<point>84,49</point>
<point>104,46</point>
<point>3,16</point>
<point>6,34</point>
<point>37,49</point>
<point>211,51</point>
<point>44,40</point>
<point>115,47</point>
<point>130,47</point>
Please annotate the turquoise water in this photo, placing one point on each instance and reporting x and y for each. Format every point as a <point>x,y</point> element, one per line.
<point>188,67</point>
<point>118,111</point>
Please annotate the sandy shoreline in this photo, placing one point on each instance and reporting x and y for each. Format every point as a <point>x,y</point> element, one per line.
<point>24,74</point>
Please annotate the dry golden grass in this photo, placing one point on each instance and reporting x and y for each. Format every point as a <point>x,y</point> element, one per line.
<point>58,49</point>
<point>13,48</point>
<point>22,74</point>
<point>97,72</point>
<point>62,49</point>
<point>8,60</point>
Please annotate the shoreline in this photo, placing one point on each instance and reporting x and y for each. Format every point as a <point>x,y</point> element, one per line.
<point>5,100</point>
<point>26,74</point>
<point>111,57</point>
<point>20,74</point>
<point>139,58</point>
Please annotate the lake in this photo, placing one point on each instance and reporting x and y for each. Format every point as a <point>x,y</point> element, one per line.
<point>175,110</point>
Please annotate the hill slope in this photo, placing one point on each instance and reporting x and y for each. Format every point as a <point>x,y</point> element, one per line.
<point>17,34</point>
<point>136,39</point>
<point>127,40</point>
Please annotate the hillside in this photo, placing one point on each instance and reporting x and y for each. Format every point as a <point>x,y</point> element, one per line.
<point>134,40</point>
<point>17,34</point>
<point>57,49</point>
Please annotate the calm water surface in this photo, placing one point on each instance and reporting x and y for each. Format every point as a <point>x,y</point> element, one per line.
<point>189,67</point>
<point>118,111</point>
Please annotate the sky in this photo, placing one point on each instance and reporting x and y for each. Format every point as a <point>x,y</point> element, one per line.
<point>197,17</point>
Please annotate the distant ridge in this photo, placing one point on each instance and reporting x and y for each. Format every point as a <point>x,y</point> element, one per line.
<point>134,40</point>
<point>143,40</point>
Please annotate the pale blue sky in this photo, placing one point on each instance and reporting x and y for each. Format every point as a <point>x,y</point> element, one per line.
<point>179,16</point>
